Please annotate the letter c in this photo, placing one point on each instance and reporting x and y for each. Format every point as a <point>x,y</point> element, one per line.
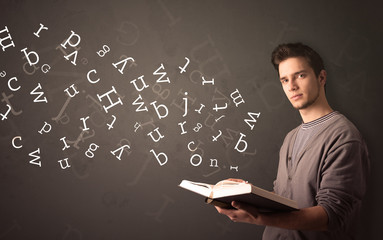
<point>9,84</point>
<point>13,142</point>
<point>90,80</point>
<point>192,150</point>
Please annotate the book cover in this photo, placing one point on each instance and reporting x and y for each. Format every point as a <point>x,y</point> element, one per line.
<point>224,192</point>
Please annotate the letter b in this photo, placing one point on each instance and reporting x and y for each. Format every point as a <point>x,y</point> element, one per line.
<point>239,141</point>
<point>158,159</point>
<point>158,112</point>
<point>28,58</point>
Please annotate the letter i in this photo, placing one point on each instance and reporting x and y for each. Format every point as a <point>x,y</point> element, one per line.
<point>186,104</point>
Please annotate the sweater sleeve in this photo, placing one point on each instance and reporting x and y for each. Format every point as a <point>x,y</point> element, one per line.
<point>343,183</point>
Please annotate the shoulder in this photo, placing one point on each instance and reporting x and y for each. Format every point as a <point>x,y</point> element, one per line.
<point>340,128</point>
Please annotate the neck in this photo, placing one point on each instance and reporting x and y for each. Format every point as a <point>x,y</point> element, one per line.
<point>315,111</point>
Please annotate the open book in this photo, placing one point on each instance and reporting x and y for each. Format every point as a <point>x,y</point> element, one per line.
<point>226,191</point>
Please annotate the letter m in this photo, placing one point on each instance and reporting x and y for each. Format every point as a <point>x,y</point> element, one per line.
<point>252,120</point>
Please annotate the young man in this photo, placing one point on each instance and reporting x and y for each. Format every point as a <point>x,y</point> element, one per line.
<point>323,162</point>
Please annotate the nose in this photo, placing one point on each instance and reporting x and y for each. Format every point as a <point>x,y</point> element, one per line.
<point>292,85</point>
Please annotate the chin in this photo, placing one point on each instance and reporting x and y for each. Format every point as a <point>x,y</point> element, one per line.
<point>300,106</point>
<point>297,106</point>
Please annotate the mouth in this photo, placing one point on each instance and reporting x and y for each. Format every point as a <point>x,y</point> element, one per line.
<point>296,97</point>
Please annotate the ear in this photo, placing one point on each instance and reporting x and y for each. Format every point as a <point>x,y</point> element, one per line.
<point>322,77</point>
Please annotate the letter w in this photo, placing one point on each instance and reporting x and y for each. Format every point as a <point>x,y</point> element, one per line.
<point>252,120</point>
<point>140,108</point>
<point>37,157</point>
<point>39,93</point>
<point>163,74</point>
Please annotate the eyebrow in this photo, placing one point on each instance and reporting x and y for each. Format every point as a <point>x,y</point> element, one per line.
<point>296,73</point>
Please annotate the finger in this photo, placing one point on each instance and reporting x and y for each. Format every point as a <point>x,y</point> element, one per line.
<point>236,204</point>
<point>224,211</point>
<point>246,208</point>
<point>218,209</point>
<point>236,180</point>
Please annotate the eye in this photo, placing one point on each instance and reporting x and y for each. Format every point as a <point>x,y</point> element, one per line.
<point>301,75</point>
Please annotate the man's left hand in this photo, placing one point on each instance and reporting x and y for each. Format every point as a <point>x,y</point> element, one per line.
<point>242,213</point>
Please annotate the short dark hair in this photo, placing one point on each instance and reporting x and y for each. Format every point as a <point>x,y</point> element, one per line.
<point>288,50</point>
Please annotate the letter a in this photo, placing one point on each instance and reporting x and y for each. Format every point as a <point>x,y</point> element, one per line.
<point>74,58</point>
<point>121,70</point>
<point>121,149</point>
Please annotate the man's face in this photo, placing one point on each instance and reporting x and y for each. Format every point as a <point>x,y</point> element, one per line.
<point>299,82</point>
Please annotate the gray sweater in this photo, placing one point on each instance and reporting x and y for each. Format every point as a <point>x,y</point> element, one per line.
<point>330,171</point>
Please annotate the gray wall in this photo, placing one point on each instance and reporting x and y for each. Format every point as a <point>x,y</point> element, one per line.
<point>102,197</point>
